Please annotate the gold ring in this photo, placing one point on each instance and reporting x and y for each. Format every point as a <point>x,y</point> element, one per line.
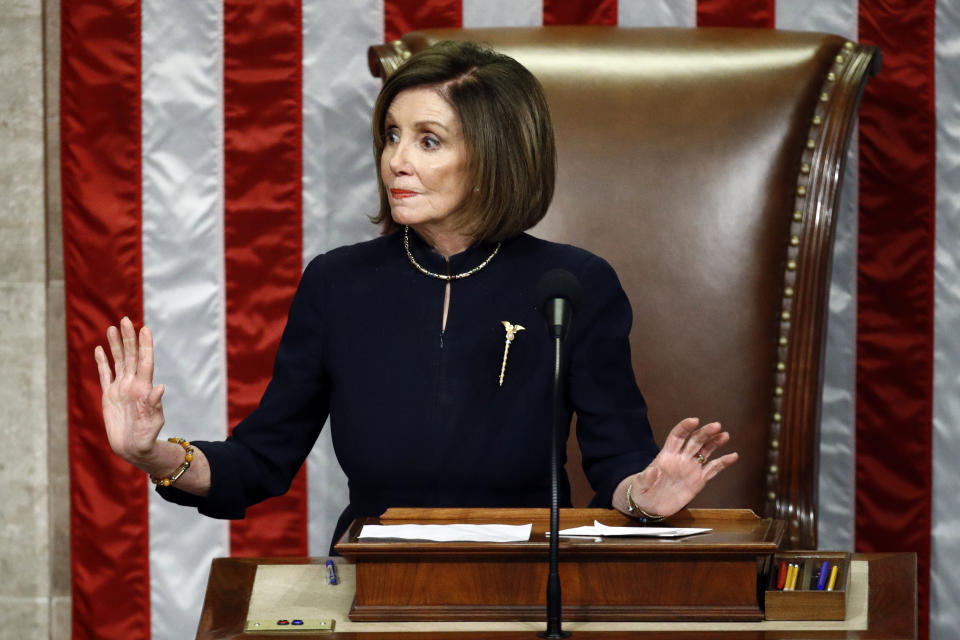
<point>701,459</point>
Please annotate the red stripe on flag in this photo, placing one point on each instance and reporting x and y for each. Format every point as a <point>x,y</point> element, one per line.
<point>895,287</point>
<point>100,169</point>
<point>403,16</point>
<point>262,231</point>
<point>736,13</point>
<point>592,12</point>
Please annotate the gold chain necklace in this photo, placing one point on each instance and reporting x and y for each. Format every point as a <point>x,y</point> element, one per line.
<point>440,276</point>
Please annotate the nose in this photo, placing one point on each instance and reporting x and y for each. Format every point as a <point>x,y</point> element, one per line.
<point>397,160</point>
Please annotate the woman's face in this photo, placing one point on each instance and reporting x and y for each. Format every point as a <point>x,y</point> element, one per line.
<point>424,161</point>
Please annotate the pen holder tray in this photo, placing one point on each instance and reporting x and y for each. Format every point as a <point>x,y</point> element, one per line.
<point>804,602</point>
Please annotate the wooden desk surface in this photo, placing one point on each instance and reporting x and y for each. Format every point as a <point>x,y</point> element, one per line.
<point>892,607</point>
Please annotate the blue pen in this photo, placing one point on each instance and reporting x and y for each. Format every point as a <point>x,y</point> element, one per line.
<point>331,572</point>
<point>824,573</point>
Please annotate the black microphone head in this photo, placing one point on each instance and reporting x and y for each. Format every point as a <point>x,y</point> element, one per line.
<point>558,283</point>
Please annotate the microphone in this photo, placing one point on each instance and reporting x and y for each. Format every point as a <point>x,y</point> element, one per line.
<point>558,296</point>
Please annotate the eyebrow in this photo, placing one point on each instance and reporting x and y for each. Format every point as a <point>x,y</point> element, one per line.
<point>418,123</point>
<point>433,122</point>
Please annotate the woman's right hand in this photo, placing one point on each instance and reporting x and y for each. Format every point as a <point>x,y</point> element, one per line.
<point>132,409</point>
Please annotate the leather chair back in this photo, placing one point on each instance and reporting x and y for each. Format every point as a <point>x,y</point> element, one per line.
<point>705,165</point>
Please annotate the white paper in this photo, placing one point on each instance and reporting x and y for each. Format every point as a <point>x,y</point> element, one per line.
<point>449,532</point>
<point>599,529</point>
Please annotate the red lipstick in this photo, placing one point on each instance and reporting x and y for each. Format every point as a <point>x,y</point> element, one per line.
<point>402,193</point>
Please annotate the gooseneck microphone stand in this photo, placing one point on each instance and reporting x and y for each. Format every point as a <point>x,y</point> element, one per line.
<point>558,293</point>
<point>554,599</point>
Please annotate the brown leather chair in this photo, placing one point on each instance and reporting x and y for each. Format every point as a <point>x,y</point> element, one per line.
<point>705,165</point>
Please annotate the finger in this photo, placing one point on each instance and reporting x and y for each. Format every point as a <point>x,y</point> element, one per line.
<point>714,443</point>
<point>711,469</point>
<point>153,414</point>
<point>116,349</point>
<point>156,394</point>
<point>129,346</point>
<point>103,367</point>
<point>679,435</point>
<point>145,365</point>
<point>701,436</point>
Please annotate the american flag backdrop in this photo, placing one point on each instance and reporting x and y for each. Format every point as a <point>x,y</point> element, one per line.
<point>210,148</point>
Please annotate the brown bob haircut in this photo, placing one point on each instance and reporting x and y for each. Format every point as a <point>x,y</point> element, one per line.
<point>511,156</point>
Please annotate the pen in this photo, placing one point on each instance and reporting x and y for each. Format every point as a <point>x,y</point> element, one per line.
<point>331,572</point>
<point>833,578</point>
<point>782,575</point>
<point>791,577</point>
<point>824,572</point>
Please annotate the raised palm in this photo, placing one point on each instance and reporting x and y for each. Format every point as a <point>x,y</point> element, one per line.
<point>682,469</point>
<point>132,408</point>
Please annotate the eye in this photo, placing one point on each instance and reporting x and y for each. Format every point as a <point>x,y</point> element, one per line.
<point>430,143</point>
<point>391,136</point>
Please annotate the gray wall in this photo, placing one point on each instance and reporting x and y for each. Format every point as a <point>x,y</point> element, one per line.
<point>34,510</point>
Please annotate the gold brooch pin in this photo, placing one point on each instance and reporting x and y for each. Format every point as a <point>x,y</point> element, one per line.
<point>511,330</point>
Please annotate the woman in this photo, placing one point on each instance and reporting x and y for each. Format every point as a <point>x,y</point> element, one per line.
<point>424,345</point>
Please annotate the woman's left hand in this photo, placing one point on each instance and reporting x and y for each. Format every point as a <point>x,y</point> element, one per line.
<point>681,469</point>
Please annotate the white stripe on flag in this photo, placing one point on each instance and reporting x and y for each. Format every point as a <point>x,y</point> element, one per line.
<point>659,13</point>
<point>836,507</point>
<point>830,16</point>
<point>502,13</point>
<point>183,279</point>
<point>944,580</point>
<point>339,187</point>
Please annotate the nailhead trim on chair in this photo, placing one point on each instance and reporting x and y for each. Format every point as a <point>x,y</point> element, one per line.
<point>801,202</point>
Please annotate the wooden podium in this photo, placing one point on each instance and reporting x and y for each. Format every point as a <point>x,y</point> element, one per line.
<point>717,576</point>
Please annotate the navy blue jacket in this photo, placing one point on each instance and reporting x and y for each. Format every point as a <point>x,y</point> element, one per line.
<point>417,416</point>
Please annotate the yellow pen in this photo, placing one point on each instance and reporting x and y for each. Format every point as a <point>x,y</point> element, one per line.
<point>833,578</point>
<point>791,577</point>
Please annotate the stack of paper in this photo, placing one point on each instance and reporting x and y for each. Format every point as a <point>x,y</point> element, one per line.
<point>449,532</point>
<point>599,530</point>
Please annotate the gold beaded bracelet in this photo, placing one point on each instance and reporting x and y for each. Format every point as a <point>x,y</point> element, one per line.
<point>182,469</point>
<point>634,509</point>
